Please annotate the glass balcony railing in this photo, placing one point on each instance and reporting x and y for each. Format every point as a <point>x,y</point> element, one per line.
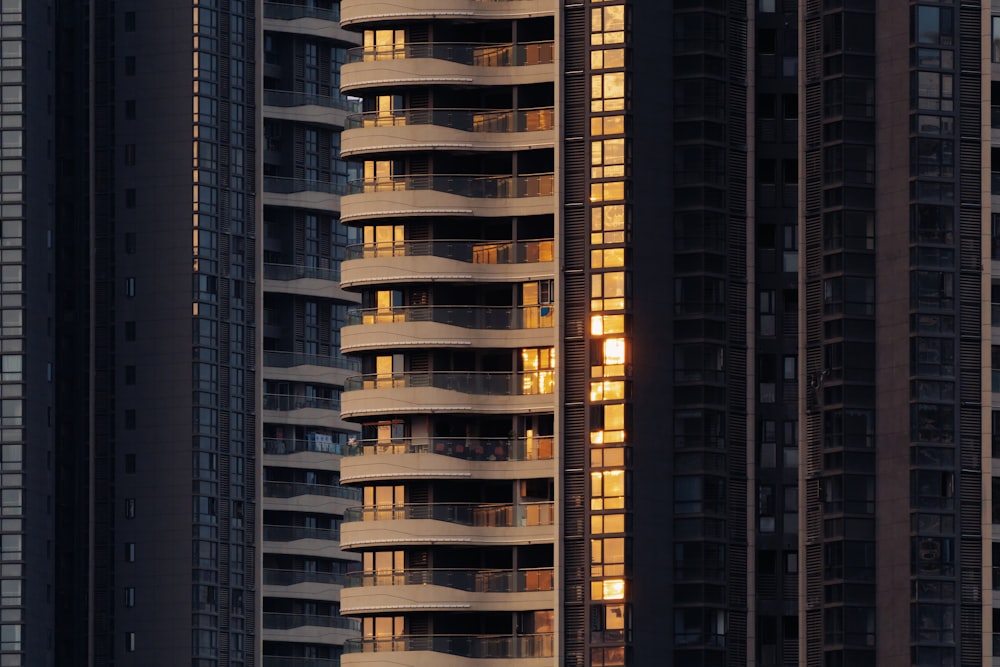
<point>290,661</point>
<point>295,445</point>
<point>280,359</point>
<point>293,533</point>
<point>495,515</point>
<point>467,646</point>
<point>482,187</point>
<point>286,272</point>
<point>488,384</point>
<point>463,53</point>
<point>468,317</point>
<point>475,252</point>
<point>273,577</point>
<point>296,489</point>
<point>473,581</point>
<point>468,120</point>
<point>289,12</point>
<point>469,449</point>
<point>289,402</point>
<point>282,185</point>
<point>288,98</point>
<point>276,621</point>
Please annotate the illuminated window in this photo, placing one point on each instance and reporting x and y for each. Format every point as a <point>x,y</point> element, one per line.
<point>607,490</point>
<point>538,371</point>
<point>607,91</point>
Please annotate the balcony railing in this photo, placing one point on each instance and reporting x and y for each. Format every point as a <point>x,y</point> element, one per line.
<point>289,402</point>
<point>281,446</point>
<point>482,187</point>
<point>475,252</point>
<point>468,317</point>
<point>293,533</point>
<point>296,489</point>
<point>287,186</point>
<point>276,621</point>
<point>289,661</point>
<point>279,359</point>
<point>463,53</point>
<point>288,98</point>
<point>495,515</point>
<point>273,577</point>
<point>469,449</point>
<point>286,272</point>
<point>468,646</point>
<point>288,12</point>
<point>473,581</point>
<point>469,120</point>
<point>489,384</point>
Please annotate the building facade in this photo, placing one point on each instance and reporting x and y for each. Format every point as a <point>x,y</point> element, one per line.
<point>555,332</point>
<point>304,308</point>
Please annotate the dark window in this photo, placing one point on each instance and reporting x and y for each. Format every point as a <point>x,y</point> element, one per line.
<point>129,21</point>
<point>130,374</point>
<point>130,463</point>
<point>129,65</point>
<point>767,41</point>
<point>129,109</point>
<point>130,419</point>
<point>130,154</point>
<point>130,242</point>
<point>130,331</point>
<point>129,197</point>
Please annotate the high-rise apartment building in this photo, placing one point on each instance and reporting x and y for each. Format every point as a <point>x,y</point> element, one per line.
<point>549,332</point>
<point>767,225</point>
<point>304,308</point>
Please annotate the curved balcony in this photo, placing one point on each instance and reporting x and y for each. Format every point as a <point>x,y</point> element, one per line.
<point>450,458</point>
<point>303,192</point>
<point>296,533</point>
<point>444,523</point>
<point>298,367</point>
<point>290,98</point>
<point>448,129</point>
<point>302,410</point>
<point>300,496</point>
<point>493,515</point>
<point>469,580</point>
<point>482,590</point>
<point>463,53</point>
<point>310,281</point>
<point>288,272</point>
<point>276,621</point>
<point>480,121</point>
<point>449,326</point>
<point>292,661</point>
<point>309,628</point>
<point>290,12</point>
<point>538,448</point>
<point>448,63</point>
<point>290,402</point>
<point>299,489</point>
<point>406,393</point>
<point>274,577</point>
<point>307,19</point>
<point>286,446</point>
<point>465,646</point>
<point>450,194</point>
<point>365,12</point>
<point>447,260</point>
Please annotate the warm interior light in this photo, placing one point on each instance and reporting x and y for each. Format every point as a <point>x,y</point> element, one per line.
<point>614,589</point>
<point>614,351</point>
